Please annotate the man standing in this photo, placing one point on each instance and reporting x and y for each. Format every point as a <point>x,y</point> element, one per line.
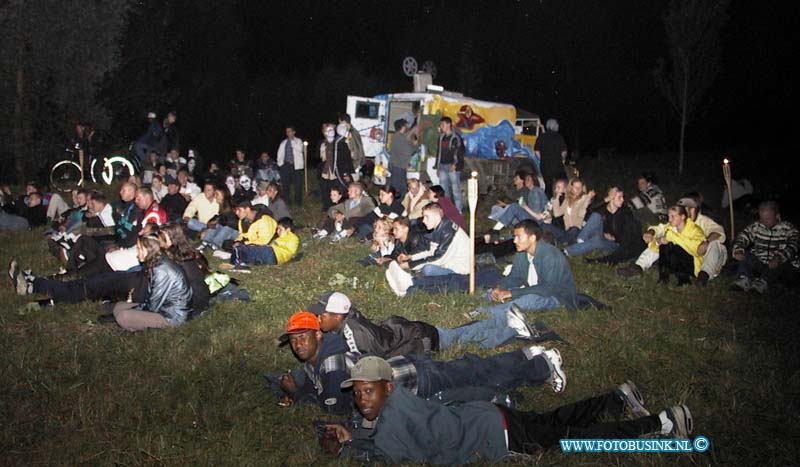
<point>291,165</point>
<point>551,149</point>
<point>450,161</point>
<point>150,140</point>
<point>401,151</point>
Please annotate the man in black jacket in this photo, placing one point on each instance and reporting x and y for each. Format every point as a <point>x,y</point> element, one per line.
<point>399,336</point>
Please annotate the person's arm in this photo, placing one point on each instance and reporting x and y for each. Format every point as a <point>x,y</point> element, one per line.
<point>435,250</point>
<point>159,289</point>
<point>788,252</point>
<point>264,231</point>
<point>548,267</point>
<point>190,211</point>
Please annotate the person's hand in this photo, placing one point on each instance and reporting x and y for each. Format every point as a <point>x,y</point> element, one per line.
<point>591,195</point>
<point>609,236</point>
<point>343,435</point>
<point>738,254</point>
<point>702,248</point>
<point>661,240</point>
<point>773,263</point>
<point>500,295</point>
<point>288,385</point>
<point>381,261</point>
<point>453,168</point>
<point>402,258</point>
<point>648,237</point>
<point>187,197</point>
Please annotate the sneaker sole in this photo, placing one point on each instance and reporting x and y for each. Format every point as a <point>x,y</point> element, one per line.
<point>681,419</point>
<point>558,372</point>
<point>515,311</point>
<point>633,399</point>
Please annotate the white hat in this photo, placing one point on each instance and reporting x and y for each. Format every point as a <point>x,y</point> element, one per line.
<point>331,302</point>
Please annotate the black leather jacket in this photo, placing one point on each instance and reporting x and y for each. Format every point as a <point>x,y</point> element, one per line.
<point>395,336</point>
<point>169,292</point>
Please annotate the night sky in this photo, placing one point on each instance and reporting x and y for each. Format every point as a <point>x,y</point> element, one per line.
<point>239,71</point>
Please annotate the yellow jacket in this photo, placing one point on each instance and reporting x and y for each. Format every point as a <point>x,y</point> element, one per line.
<point>689,239</point>
<point>260,232</point>
<point>285,247</point>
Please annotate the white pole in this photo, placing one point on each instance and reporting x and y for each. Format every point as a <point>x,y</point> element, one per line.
<point>472,197</point>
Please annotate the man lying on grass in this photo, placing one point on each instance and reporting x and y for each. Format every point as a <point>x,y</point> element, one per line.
<point>396,427</point>
<point>327,363</point>
<point>399,336</point>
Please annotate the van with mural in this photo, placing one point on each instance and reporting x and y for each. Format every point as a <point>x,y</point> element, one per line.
<point>498,137</point>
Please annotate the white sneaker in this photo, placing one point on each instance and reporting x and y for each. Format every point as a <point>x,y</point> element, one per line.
<point>516,321</point>
<point>681,424</point>
<point>558,379</point>
<point>759,285</point>
<point>399,280</point>
<point>222,254</point>
<point>322,233</point>
<point>633,399</point>
<point>743,284</point>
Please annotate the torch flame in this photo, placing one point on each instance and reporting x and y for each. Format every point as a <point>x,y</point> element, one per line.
<point>725,161</point>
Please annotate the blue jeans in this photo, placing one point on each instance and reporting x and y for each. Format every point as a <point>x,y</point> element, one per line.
<point>513,214</point>
<point>489,333</point>
<point>527,302</point>
<point>501,372</point>
<point>450,180</point>
<point>562,236</point>
<point>253,254</point>
<point>195,225</point>
<point>591,238</point>
<point>219,234</point>
<point>434,270</point>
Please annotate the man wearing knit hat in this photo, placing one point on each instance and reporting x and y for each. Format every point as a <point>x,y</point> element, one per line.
<point>327,364</point>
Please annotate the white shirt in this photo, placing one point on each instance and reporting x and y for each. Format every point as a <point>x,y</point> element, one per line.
<point>533,276</point>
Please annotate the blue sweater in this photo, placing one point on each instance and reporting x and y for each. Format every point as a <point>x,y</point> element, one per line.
<point>552,268</point>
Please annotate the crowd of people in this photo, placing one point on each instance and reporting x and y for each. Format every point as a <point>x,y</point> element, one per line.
<point>145,255</point>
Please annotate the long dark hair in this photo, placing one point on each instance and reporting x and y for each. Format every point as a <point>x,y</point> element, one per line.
<point>180,250</point>
<point>227,202</point>
<point>151,244</point>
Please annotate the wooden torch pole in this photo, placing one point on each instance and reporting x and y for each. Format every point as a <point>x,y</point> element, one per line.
<point>305,166</point>
<point>472,197</point>
<point>726,172</point>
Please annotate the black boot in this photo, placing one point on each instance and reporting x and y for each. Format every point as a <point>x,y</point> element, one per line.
<point>683,279</point>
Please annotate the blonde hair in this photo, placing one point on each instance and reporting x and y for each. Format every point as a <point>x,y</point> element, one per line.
<point>388,228</point>
<point>571,199</point>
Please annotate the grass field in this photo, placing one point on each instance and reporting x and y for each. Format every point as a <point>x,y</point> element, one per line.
<point>76,392</point>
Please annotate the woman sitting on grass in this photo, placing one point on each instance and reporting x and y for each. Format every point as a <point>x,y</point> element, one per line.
<point>571,209</point>
<point>383,243</point>
<point>194,265</point>
<point>169,300</point>
<point>223,226</point>
<point>677,243</point>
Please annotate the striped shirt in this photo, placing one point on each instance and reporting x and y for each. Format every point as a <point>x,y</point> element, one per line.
<point>404,372</point>
<point>781,242</point>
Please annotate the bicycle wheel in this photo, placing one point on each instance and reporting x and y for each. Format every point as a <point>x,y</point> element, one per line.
<point>66,175</point>
<point>116,167</point>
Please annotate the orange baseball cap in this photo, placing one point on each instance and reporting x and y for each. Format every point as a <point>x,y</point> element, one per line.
<point>300,322</point>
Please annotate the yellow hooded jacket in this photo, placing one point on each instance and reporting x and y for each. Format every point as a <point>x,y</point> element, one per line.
<point>689,239</point>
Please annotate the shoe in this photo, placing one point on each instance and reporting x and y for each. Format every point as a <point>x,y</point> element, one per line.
<point>633,399</point>
<point>681,418</point>
<point>13,273</point>
<point>221,254</point>
<point>631,270</point>
<point>759,285</point>
<point>106,318</point>
<point>702,279</point>
<point>226,266</point>
<point>339,236</point>
<point>516,320</point>
<point>558,379</point>
<point>241,268</point>
<point>319,234</point>
<point>742,284</point>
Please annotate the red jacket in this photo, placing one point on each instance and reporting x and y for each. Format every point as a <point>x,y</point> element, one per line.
<point>155,214</point>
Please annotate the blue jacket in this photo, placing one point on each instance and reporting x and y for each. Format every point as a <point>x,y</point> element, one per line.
<point>537,199</point>
<point>552,268</point>
<point>411,429</point>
